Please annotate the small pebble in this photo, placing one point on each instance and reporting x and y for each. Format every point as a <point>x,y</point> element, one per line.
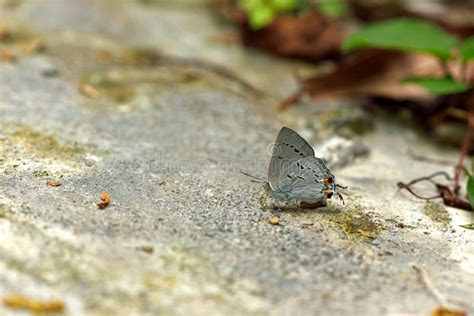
<point>274,220</point>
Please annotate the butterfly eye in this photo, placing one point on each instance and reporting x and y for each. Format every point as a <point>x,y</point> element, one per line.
<point>328,180</point>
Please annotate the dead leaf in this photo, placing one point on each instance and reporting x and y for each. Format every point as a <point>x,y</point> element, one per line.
<point>309,36</point>
<point>8,56</point>
<point>455,17</point>
<point>451,199</point>
<point>104,200</point>
<point>274,220</point>
<point>88,90</point>
<point>374,73</point>
<point>33,305</point>
<point>443,311</point>
<point>53,183</point>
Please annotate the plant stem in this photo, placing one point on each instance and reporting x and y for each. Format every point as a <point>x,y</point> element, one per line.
<point>465,149</point>
<point>444,66</point>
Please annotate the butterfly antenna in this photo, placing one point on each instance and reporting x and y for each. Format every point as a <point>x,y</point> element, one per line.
<point>258,180</point>
<point>341,186</point>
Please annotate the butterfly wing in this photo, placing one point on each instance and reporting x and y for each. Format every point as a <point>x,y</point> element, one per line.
<point>304,180</point>
<point>288,148</point>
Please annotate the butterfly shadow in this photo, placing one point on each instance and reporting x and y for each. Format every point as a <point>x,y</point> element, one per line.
<point>295,207</point>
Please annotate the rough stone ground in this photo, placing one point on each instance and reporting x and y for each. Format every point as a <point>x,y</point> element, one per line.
<point>185,233</point>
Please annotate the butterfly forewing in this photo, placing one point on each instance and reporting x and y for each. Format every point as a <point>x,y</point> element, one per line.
<point>288,148</point>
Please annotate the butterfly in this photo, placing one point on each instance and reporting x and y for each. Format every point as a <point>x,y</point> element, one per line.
<point>296,174</point>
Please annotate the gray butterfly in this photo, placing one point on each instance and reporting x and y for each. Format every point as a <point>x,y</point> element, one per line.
<point>296,174</point>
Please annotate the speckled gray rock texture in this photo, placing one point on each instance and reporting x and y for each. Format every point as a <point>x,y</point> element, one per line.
<point>185,232</point>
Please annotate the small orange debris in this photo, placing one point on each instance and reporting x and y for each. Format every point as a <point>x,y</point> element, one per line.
<point>88,90</point>
<point>104,200</point>
<point>53,183</point>
<point>443,311</point>
<point>274,220</point>
<point>33,305</point>
<point>8,56</point>
<point>4,32</point>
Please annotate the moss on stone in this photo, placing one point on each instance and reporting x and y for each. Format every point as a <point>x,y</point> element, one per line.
<point>437,212</point>
<point>355,223</point>
<point>46,145</point>
<point>42,173</point>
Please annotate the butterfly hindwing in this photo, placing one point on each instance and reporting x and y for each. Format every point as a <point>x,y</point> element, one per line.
<point>304,180</point>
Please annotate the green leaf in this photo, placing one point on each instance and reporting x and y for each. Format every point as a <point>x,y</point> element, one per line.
<point>440,86</point>
<point>470,190</point>
<point>250,5</point>
<point>333,8</point>
<point>467,49</point>
<point>285,5</point>
<point>468,226</point>
<point>261,17</point>
<point>403,34</point>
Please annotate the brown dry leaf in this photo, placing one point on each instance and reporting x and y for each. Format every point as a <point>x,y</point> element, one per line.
<point>453,16</point>
<point>274,220</point>
<point>309,36</point>
<point>443,311</point>
<point>371,73</point>
<point>8,56</point>
<point>33,305</point>
<point>452,199</point>
<point>104,200</point>
<point>88,90</point>
<point>53,183</point>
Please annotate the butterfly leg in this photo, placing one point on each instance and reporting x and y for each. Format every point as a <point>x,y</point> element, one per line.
<point>263,201</point>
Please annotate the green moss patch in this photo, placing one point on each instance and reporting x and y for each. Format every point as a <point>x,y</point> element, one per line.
<point>355,223</point>
<point>46,145</point>
<point>437,213</point>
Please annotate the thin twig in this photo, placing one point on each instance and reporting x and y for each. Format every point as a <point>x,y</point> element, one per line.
<point>463,72</point>
<point>431,287</point>
<point>407,186</point>
<point>444,302</point>
<point>402,185</point>
<point>445,68</point>
<point>430,177</point>
<point>215,68</point>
